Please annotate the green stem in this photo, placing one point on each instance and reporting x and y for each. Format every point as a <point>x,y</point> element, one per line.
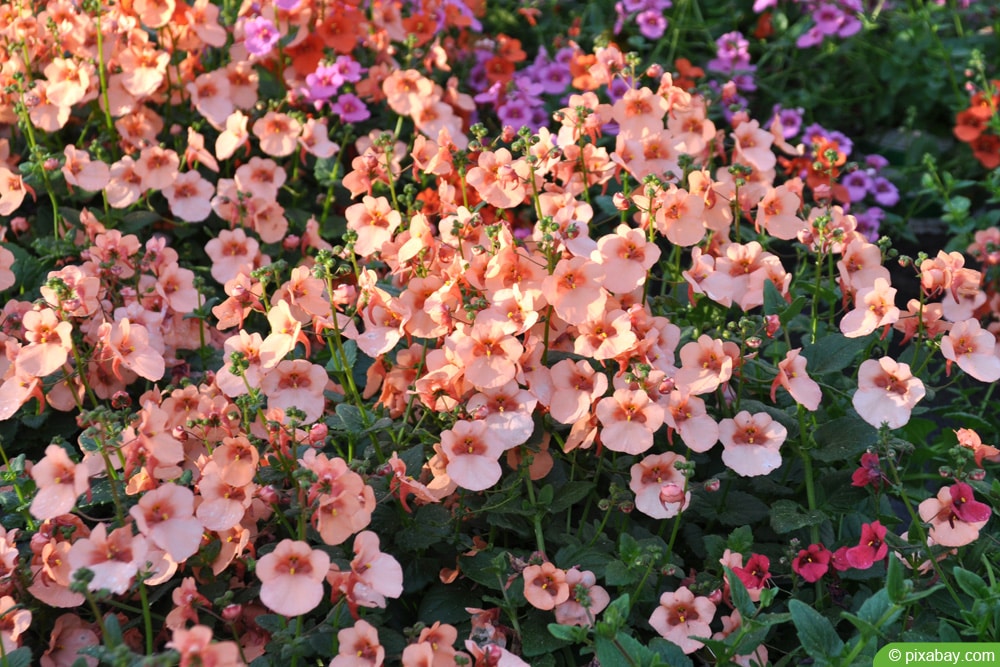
<point>147,619</point>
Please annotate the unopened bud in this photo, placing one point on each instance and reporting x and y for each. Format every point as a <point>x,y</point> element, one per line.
<point>671,493</point>
<point>712,485</point>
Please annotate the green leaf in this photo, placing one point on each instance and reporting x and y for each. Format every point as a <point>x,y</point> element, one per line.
<point>877,607</point>
<point>833,352</point>
<point>740,540</point>
<point>536,639</point>
<point>971,583</point>
<point>271,623</point>
<point>18,658</point>
<point>787,515</point>
<point>569,494</point>
<point>430,524</point>
<point>842,439</point>
<point>818,637</point>
<point>741,598</point>
<point>895,586</point>
<point>742,509</point>
<point>616,614</point>
<point>670,653</point>
<point>623,651</point>
<point>575,634</point>
<point>348,418</point>
<point>336,365</point>
<point>618,574</point>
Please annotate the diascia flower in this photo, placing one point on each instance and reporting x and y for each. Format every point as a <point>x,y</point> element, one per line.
<point>887,392</point>
<point>682,616</point>
<point>292,578</point>
<point>955,516</point>
<point>650,476</point>
<point>751,443</point>
<point>545,586</point>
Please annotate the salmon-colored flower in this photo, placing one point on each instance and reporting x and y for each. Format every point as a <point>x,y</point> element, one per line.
<point>296,384</point>
<point>705,364</point>
<point>955,516</point>
<point>292,577</point>
<point>970,439</point>
<point>575,289</point>
<point>575,387</point>
<point>629,420</point>
<point>688,416</point>
<point>473,455</point>
<point>974,349</point>
<point>874,307</point>
<point>82,172</point>
<point>166,516</point>
<point>678,216</point>
<point>626,256</point>
<point>60,482</point>
<point>751,443</point>
<point>154,13</point>
<point>586,599</point>
<point>376,575</point>
<point>793,377</point>
<point>375,222</point>
<point>157,167</point>
<point>49,343</point>
<point>69,634</point>
<point>13,623</point>
<point>681,616</point>
<point>197,648</point>
<point>189,196</point>
<point>887,392</point>
<point>130,347</point>
<point>545,586</point>
<point>489,354</point>
<point>113,557</point>
<point>650,476</point>
<point>211,96</point>
<point>278,133</point>
<point>359,647</point>
<point>12,190</point>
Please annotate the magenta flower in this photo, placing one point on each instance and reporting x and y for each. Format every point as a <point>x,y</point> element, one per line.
<point>260,35</point>
<point>350,108</point>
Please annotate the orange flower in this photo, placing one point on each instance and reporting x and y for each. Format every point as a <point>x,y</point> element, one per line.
<point>292,577</point>
<point>60,482</point>
<point>686,74</point>
<point>545,586</point>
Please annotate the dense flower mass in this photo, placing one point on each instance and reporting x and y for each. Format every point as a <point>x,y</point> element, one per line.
<point>365,333</point>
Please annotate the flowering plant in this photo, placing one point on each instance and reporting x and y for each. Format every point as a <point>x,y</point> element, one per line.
<point>346,333</point>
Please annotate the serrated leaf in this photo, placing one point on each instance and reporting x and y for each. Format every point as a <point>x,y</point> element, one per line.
<point>569,494</point>
<point>430,524</point>
<point>349,419</point>
<point>971,583</point>
<point>617,574</point>
<point>742,509</point>
<point>842,439</point>
<point>815,632</point>
<point>833,352</point>
<point>336,365</point>
<point>787,515</point>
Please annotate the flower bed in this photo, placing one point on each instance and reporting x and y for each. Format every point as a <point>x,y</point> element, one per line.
<point>452,332</point>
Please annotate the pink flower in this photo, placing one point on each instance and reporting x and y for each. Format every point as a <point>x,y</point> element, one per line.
<point>575,387</point>
<point>586,599</point>
<point>49,343</point>
<point>629,419</point>
<point>955,516</point>
<point>473,455</point>
<point>792,376</point>
<point>60,482</point>
<point>649,478</point>
<point>973,349</point>
<point>705,364</point>
<point>869,473</point>
<point>377,575</point>
<point>296,384</point>
<point>871,548</point>
<point>887,392</point>
<point>545,586</point>
<point>874,307</point>
<point>681,616</point>
<point>166,516</point>
<point>359,647</point>
<point>189,197</point>
<point>751,443</point>
<point>292,578</point>
<point>812,562</point>
<point>197,648</point>
<point>114,558</point>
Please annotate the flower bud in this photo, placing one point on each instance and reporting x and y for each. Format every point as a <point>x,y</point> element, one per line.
<point>671,493</point>
<point>232,612</point>
<point>712,485</point>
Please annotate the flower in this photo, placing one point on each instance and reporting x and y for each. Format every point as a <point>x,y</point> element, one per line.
<point>473,455</point>
<point>545,586</point>
<point>649,478</point>
<point>871,548</point>
<point>870,473</point>
<point>292,577</point>
<point>60,482</point>
<point>629,419</point>
<point>793,377</point>
<point>754,575</point>
<point>887,392</point>
<point>166,516</point>
<point>973,349</point>
<point>196,648</point>
<point>751,443</point>
<point>680,616</point>
<point>260,35</point>
<point>955,516</point>
<point>586,599</point>
<point>113,557</point>
<point>359,647</point>
<point>812,562</point>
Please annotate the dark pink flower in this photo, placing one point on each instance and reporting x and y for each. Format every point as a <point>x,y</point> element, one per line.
<point>870,549</point>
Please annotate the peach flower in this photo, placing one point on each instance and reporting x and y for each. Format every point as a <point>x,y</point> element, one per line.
<point>359,647</point>
<point>650,479</point>
<point>629,420</point>
<point>682,616</point>
<point>292,577</point>
<point>955,516</point>
<point>974,349</point>
<point>60,482</point>
<point>887,392</point>
<point>473,455</point>
<point>166,516</point>
<point>751,443</point>
<point>545,586</point>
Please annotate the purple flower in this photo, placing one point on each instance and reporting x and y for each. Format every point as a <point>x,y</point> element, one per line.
<point>885,192</point>
<point>324,82</point>
<point>791,120</point>
<point>829,18</point>
<point>652,24</point>
<point>857,183</point>
<point>760,5</point>
<point>515,114</point>
<point>349,68</point>
<point>733,53</point>
<point>810,38</point>
<point>851,26</point>
<point>260,35</point>
<point>554,78</point>
<point>876,162</point>
<point>845,144</point>
<point>869,223</point>
<point>350,108</point>
<point>287,5</point>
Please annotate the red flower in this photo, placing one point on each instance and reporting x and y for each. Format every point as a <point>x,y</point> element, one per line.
<point>870,549</point>
<point>812,562</point>
<point>869,473</point>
